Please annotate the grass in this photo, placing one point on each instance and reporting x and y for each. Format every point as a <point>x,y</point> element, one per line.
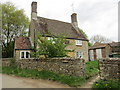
<point>107,84</point>
<point>73,81</point>
<point>91,68</point>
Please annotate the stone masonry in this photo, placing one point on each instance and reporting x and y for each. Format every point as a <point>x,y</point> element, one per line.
<point>66,66</point>
<point>109,68</point>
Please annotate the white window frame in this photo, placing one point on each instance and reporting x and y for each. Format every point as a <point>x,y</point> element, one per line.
<point>24,54</point>
<point>78,42</point>
<point>80,54</point>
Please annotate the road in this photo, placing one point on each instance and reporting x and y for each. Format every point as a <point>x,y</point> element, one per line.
<point>9,81</point>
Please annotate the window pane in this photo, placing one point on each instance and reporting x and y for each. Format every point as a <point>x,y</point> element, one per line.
<point>22,55</point>
<point>27,54</point>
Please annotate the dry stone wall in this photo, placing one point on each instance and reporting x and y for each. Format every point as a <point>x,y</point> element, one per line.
<point>67,66</point>
<point>109,68</point>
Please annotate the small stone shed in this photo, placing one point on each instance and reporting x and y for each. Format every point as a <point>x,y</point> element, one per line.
<point>22,48</point>
<point>99,50</point>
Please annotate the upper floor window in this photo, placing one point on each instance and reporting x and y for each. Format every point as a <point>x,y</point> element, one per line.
<point>24,54</point>
<point>78,42</point>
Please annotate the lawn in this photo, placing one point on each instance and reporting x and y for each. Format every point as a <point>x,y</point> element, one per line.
<point>91,68</point>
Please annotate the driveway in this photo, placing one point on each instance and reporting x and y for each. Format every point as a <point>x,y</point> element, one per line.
<point>9,81</point>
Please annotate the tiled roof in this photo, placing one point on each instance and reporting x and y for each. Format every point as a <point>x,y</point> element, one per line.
<point>55,27</point>
<point>22,43</point>
<point>114,44</point>
<point>98,45</point>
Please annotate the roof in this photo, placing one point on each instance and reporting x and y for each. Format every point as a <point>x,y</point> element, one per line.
<point>98,45</point>
<point>114,44</point>
<point>22,43</point>
<point>55,27</point>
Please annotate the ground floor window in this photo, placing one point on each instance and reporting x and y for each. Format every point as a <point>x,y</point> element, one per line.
<point>79,54</point>
<point>24,54</point>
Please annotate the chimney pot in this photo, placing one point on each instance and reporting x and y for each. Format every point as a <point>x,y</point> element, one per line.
<point>74,19</point>
<point>34,7</point>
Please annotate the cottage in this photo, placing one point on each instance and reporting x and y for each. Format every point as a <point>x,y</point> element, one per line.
<point>78,42</point>
<point>99,50</point>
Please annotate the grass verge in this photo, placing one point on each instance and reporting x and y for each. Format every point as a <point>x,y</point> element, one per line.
<point>107,84</point>
<point>73,81</point>
<point>91,68</point>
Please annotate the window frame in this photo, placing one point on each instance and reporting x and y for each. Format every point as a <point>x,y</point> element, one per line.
<point>24,54</point>
<point>78,42</point>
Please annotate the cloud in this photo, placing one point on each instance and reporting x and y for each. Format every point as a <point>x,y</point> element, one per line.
<point>94,16</point>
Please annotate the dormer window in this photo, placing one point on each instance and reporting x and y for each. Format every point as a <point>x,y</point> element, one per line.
<point>78,42</point>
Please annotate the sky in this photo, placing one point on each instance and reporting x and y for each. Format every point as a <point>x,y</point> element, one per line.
<point>95,17</point>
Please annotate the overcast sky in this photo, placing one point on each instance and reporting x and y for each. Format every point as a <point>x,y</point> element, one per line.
<point>94,16</point>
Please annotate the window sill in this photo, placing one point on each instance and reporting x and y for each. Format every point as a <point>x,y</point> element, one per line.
<point>78,45</point>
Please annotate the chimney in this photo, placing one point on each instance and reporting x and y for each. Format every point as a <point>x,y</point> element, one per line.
<point>34,10</point>
<point>74,19</point>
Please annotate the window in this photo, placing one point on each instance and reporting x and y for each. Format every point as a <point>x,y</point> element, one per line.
<point>78,42</point>
<point>24,54</point>
<point>79,54</point>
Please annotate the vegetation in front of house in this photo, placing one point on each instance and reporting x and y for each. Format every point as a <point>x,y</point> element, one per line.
<point>107,84</point>
<point>65,79</point>
<point>55,47</point>
<point>91,68</point>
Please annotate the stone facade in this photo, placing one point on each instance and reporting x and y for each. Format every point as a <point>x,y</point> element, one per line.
<point>67,66</point>
<point>109,68</point>
<point>82,48</point>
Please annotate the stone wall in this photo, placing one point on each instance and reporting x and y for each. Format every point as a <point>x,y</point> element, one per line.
<point>6,61</point>
<point>109,68</point>
<point>67,66</point>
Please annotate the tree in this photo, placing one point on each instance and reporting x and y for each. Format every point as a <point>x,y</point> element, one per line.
<point>14,23</point>
<point>89,43</point>
<point>99,38</point>
<point>55,47</point>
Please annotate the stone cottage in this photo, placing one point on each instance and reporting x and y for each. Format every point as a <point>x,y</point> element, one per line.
<point>99,50</point>
<point>78,42</point>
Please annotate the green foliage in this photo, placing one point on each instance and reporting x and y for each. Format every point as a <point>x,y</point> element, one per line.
<point>70,80</point>
<point>14,23</point>
<point>91,68</point>
<point>55,47</point>
<point>8,51</point>
<point>107,84</point>
<point>12,63</point>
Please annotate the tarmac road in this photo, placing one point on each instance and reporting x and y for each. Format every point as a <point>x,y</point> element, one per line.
<point>9,81</point>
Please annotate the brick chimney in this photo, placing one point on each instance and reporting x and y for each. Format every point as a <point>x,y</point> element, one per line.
<point>74,20</point>
<point>34,10</point>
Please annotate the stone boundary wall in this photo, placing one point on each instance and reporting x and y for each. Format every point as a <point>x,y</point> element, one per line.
<point>67,66</point>
<point>6,61</point>
<point>109,68</point>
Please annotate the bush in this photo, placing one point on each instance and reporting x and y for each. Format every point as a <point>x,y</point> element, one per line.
<point>107,84</point>
<point>91,68</point>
